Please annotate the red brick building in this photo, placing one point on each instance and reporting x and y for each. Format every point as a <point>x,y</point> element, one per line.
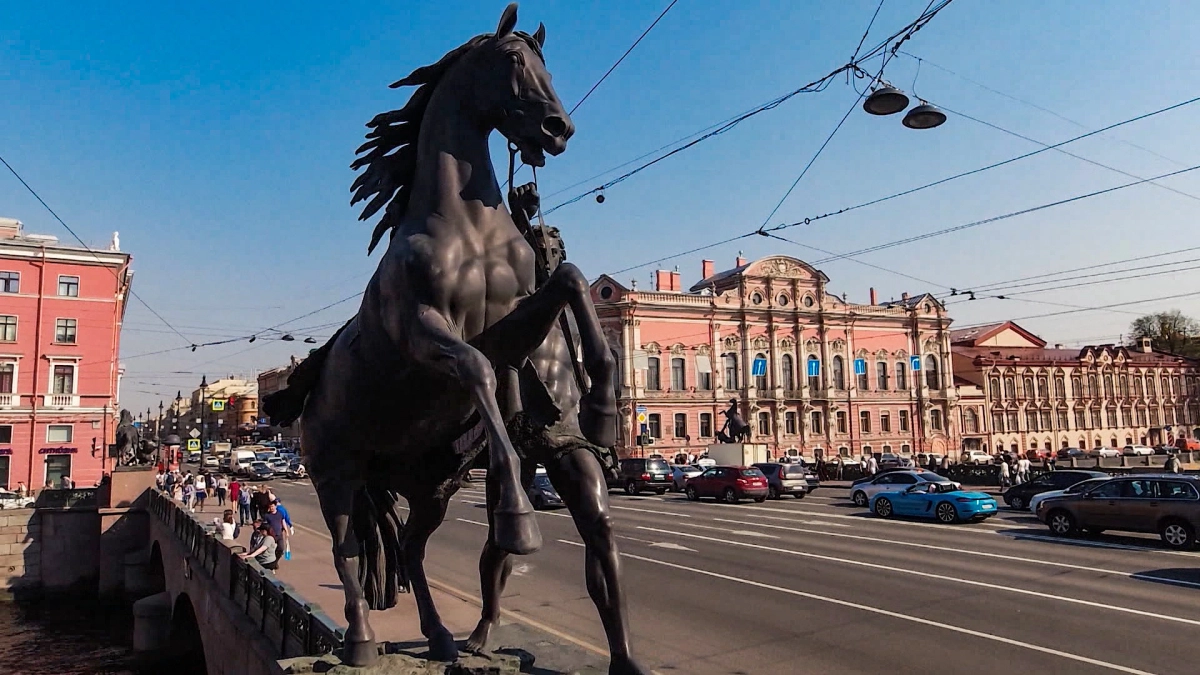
<point>61,309</point>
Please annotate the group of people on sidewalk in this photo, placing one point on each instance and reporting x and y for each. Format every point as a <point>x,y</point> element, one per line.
<point>193,491</point>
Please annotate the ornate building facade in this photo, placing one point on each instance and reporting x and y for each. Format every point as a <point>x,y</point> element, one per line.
<point>1017,394</point>
<point>815,375</point>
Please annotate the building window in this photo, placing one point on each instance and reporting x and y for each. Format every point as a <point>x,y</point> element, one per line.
<point>881,375</point>
<point>864,422</point>
<point>970,421</point>
<point>1077,386</point>
<point>760,381</point>
<point>885,423</point>
<point>653,366</point>
<point>935,420</point>
<point>1093,387</point>
<point>704,380</point>
<point>764,424</point>
<point>1166,386</point>
<point>731,371</point>
<point>706,425</point>
<point>8,376</point>
<point>1013,422</point>
<point>789,423</point>
<point>1046,426</point>
<point>1094,418</point>
<point>64,379</point>
<point>4,472</point>
<point>1124,412</point>
<point>10,282</point>
<point>1141,417</point>
<point>680,425</point>
<point>1031,420</point>
<point>6,433</point>
<point>816,422</point>
<point>8,329</point>
<point>901,376</point>
<point>1027,383</point>
<point>814,373</point>
<point>905,449</point>
<point>68,287</point>
<point>1108,387</point>
<point>1080,422</point>
<point>1060,387</point>
<point>1112,418</point>
<point>841,422</point>
<point>998,422</point>
<point>903,420</point>
<point>654,425</point>
<point>1150,387</point>
<point>64,331</point>
<point>1137,387</point>
<point>839,373</point>
<point>994,387</point>
<point>1043,388</point>
<point>863,381</point>
<point>1124,384</point>
<point>60,433</point>
<point>57,466</point>
<point>1010,388</point>
<point>1154,417</point>
<point>933,378</point>
<point>787,372</point>
<point>678,377</point>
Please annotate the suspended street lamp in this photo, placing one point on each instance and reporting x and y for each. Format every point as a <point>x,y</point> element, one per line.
<point>886,100</point>
<point>924,116</point>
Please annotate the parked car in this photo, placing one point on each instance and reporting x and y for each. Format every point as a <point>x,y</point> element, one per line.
<point>862,491</point>
<point>264,455</point>
<point>681,472</point>
<point>1018,496</point>
<point>784,479</point>
<point>1081,486</point>
<point>1138,450</point>
<point>1168,504</point>
<point>729,483</point>
<point>924,459</point>
<point>261,470</point>
<point>211,462</point>
<point>296,470</point>
<point>10,500</point>
<point>542,493</point>
<point>930,500</point>
<point>889,460</point>
<point>976,457</point>
<point>278,464</point>
<point>643,474</point>
<point>1070,453</point>
<point>1104,451</point>
<point>193,456</point>
<point>1187,445</point>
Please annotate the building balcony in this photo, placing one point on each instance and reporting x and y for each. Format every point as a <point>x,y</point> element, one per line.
<point>9,401</point>
<point>60,400</point>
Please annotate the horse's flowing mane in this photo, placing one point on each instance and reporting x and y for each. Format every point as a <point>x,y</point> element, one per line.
<point>390,153</point>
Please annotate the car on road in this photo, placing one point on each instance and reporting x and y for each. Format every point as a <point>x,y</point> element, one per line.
<point>1081,486</point>
<point>278,464</point>
<point>1070,453</point>
<point>264,455</point>
<point>1138,450</point>
<point>650,474</point>
<point>888,460</point>
<point>261,471</point>
<point>730,484</point>
<point>862,491</point>
<point>193,456</point>
<point>1018,496</point>
<point>211,462</point>
<point>1104,451</point>
<point>930,500</point>
<point>10,500</point>
<point>542,493</point>
<point>976,457</point>
<point>1168,504</point>
<point>296,470</point>
<point>681,472</point>
<point>784,479</point>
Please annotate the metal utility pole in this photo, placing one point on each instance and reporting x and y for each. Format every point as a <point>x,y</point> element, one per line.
<point>203,421</point>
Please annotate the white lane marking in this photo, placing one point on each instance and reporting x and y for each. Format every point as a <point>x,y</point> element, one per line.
<point>744,533</point>
<point>672,546</point>
<point>471,501</point>
<point>822,522</point>
<point>883,612</point>
<point>473,522</point>
<point>657,513</point>
<point>1100,544</point>
<point>939,577</point>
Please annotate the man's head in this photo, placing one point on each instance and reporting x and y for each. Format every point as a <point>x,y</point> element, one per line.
<point>272,508</point>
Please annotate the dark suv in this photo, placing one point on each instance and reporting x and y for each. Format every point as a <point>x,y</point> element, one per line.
<point>638,474</point>
<point>784,479</point>
<point>1168,504</point>
<point>1018,496</point>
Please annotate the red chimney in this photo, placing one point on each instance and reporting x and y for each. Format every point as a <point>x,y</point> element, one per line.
<point>873,296</point>
<point>676,283</point>
<point>662,280</point>
<point>904,297</point>
<point>706,269</point>
<point>741,261</point>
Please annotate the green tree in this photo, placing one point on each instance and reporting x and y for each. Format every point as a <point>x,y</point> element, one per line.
<point>1171,331</point>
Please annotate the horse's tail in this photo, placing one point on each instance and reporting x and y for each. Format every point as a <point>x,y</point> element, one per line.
<point>379,529</point>
<point>286,405</point>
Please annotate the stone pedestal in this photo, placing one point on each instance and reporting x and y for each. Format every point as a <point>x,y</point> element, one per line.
<point>407,664</point>
<point>151,623</point>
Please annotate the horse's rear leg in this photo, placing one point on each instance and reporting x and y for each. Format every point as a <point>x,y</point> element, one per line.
<point>424,516</point>
<point>337,503</point>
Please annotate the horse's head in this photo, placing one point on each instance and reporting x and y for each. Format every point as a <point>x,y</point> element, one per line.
<point>514,93</point>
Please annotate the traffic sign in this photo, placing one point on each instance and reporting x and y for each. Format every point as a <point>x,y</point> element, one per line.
<point>137,425</point>
<point>645,429</point>
<point>758,368</point>
<point>218,405</point>
<point>915,363</point>
<point>814,368</point>
<point>641,408</point>
<point>194,433</point>
<point>642,417</point>
<point>193,444</point>
<point>860,366</point>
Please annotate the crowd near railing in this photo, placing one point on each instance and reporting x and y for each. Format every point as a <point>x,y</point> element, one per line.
<point>293,625</point>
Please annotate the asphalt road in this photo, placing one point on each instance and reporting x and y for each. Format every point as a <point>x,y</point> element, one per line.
<point>819,586</point>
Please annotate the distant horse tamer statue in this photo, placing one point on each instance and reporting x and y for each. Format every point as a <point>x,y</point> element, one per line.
<point>737,428</point>
<point>405,396</point>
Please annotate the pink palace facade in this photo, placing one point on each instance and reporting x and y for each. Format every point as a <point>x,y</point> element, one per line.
<point>838,376</point>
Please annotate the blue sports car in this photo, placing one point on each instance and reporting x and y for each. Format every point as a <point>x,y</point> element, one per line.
<point>931,500</point>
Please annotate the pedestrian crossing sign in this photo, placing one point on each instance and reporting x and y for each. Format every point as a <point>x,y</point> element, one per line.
<point>193,444</point>
<point>218,405</point>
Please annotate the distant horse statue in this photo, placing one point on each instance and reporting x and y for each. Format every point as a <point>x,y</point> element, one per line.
<point>131,449</point>
<point>737,428</point>
<point>404,397</point>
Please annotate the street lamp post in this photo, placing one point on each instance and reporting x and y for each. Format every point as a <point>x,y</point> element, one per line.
<point>203,420</point>
<point>159,435</point>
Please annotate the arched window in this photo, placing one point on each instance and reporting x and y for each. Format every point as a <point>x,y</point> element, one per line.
<point>678,374</point>
<point>786,372</point>
<point>1108,387</point>
<point>1093,391</point>
<point>970,421</point>
<point>933,376</point>
<point>1027,383</point>
<point>814,373</point>
<point>731,371</point>
<point>1060,387</point>
<point>1125,389</point>
<point>1010,388</point>
<point>1150,387</point>
<point>839,373</point>
<point>994,385</point>
<point>653,368</point>
<point>901,376</point>
<point>1137,387</point>
<point>1043,389</point>
<point>1077,386</point>
<point>881,375</point>
<point>760,381</point>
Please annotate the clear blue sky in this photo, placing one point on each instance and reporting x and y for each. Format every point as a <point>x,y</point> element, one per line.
<point>217,140</point>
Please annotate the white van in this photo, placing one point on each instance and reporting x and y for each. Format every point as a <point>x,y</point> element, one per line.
<point>239,461</point>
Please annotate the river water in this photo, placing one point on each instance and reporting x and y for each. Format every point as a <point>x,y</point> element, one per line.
<point>65,638</point>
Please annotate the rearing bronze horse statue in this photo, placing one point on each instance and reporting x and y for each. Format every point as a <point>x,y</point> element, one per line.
<point>405,396</point>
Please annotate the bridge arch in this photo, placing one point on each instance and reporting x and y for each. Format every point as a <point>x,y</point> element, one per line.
<point>185,644</point>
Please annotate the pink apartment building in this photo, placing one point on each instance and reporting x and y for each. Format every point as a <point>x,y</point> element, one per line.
<point>61,309</point>
<point>832,377</point>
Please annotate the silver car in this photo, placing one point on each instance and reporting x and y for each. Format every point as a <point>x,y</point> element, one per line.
<point>680,473</point>
<point>863,489</point>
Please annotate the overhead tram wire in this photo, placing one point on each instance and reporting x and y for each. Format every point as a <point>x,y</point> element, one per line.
<point>995,284</point>
<point>1092,309</point>
<point>90,250</point>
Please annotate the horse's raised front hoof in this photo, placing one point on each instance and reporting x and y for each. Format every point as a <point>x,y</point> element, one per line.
<point>598,419</point>
<point>477,643</point>
<point>364,653</point>
<point>516,533</point>
<point>442,647</point>
<point>625,665</point>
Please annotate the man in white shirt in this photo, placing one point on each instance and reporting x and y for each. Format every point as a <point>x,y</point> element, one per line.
<point>1023,467</point>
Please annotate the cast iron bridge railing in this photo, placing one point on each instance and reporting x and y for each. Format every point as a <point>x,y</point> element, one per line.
<point>295,626</point>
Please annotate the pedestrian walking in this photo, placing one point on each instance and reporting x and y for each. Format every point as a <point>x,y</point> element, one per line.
<point>222,488</point>
<point>945,462</point>
<point>872,465</point>
<point>243,502</point>
<point>281,526</point>
<point>189,496</point>
<point>263,548</point>
<point>1173,464</point>
<point>201,492</point>
<point>229,530</point>
<point>1005,476</point>
<point>235,491</point>
<point>1023,469</point>
<point>260,500</point>
<point>838,467</point>
<point>289,529</point>
<point>22,491</point>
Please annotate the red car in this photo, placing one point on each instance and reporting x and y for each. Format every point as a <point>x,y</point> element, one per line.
<point>728,483</point>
